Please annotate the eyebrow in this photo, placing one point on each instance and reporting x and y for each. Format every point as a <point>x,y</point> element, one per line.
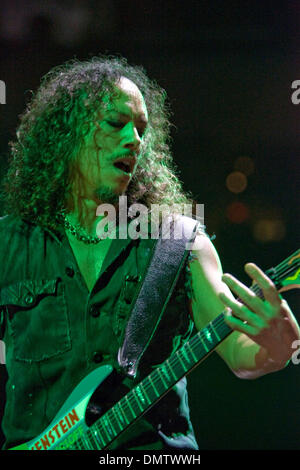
<point>141,118</point>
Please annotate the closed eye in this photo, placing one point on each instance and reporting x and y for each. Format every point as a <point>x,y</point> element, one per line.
<point>119,125</point>
<point>115,124</point>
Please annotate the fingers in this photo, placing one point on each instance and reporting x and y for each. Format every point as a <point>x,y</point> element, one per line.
<point>249,313</point>
<point>243,320</point>
<point>264,282</point>
<point>246,295</point>
<point>249,298</point>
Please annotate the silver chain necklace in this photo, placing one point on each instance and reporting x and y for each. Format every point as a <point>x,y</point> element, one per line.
<point>77,230</point>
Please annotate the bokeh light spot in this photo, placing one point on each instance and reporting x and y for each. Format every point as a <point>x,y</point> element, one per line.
<point>236,182</point>
<point>267,230</point>
<point>237,212</point>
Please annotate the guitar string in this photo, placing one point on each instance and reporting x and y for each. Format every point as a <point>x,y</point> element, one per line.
<point>157,379</point>
<point>287,269</point>
<point>110,418</point>
<point>290,270</point>
<point>173,362</point>
<point>279,269</point>
<point>90,434</point>
<point>287,260</point>
<point>147,386</point>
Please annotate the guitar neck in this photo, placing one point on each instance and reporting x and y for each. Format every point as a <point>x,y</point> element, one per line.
<point>158,383</point>
<point>151,389</point>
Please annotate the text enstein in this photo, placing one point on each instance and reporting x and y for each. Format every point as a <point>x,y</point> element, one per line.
<point>57,431</point>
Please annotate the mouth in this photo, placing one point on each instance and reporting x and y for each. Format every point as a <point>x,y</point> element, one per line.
<point>125,164</point>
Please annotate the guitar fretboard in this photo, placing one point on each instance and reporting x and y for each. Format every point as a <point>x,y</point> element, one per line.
<point>165,376</point>
<point>154,386</point>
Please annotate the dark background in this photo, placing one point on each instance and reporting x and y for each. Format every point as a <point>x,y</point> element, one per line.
<point>227,68</point>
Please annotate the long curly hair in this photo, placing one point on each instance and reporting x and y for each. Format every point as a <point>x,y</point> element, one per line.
<point>51,133</point>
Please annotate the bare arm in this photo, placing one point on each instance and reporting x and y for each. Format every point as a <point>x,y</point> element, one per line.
<point>264,330</point>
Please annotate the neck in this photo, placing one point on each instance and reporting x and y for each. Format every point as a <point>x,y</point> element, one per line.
<point>85,214</point>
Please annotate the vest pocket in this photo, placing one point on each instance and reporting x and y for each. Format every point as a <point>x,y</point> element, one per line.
<point>37,319</point>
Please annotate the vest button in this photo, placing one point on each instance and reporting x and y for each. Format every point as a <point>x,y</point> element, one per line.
<point>97,357</point>
<point>29,299</point>
<point>94,311</point>
<point>70,271</point>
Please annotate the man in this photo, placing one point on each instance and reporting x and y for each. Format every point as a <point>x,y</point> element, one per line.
<point>95,131</point>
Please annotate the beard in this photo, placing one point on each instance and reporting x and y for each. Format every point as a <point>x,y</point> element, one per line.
<point>107,196</point>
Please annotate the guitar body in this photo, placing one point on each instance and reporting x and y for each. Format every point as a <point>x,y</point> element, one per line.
<point>81,409</point>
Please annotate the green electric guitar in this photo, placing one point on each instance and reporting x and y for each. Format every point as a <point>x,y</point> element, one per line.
<point>83,423</point>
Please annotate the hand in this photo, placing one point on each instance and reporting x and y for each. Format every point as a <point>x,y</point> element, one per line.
<point>269,323</point>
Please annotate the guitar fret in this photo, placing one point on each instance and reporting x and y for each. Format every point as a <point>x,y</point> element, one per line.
<point>109,424</point>
<point>213,329</point>
<point>114,421</point>
<point>209,335</point>
<point>84,441</point>
<point>100,429</point>
<point>159,381</point>
<point>159,371</point>
<point>135,403</point>
<point>88,441</point>
<point>150,390</point>
<point>135,394</point>
<point>169,365</point>
<point>181,362</point>
<point>93,437</point>
<point>99,438</point>
<point>157,394</point>
<point>145,394</point>
<point>104,433</point>
<point>130,407</point>
<point>80,443</point>
<point>202,341</point>
<point>189,347</point>
<point>76,445</point>
<point>117,418</point>
<point>164,370</point>
<point>105,428</point>
<point>185,356</point>
<point>122,412</point>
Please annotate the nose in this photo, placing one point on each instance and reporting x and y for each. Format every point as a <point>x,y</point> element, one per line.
<point>131,138</point>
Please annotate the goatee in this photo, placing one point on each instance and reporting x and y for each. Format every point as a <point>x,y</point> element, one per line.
<point>107,196</point>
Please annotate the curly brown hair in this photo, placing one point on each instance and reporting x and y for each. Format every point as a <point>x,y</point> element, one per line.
<point>52,130</point>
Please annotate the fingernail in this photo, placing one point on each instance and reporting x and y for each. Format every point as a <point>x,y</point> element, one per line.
<point>250,268</point>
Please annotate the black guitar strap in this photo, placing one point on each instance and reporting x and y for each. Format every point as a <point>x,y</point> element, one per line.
<point>168,258</point>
